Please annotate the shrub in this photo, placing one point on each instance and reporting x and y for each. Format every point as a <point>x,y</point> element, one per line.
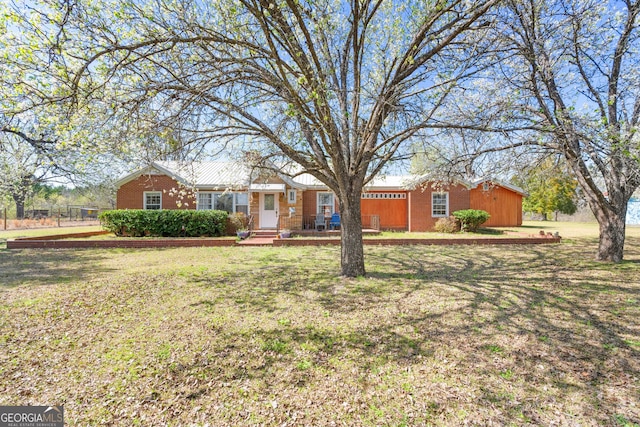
<point>447,225</point>
<point>471,219</point>
<point>237,221</point>
<point>164,223</point>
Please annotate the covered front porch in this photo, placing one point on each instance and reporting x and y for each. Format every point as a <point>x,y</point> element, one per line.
<point>302,226</point>
<point>308,224</point>
<point>267,237</point>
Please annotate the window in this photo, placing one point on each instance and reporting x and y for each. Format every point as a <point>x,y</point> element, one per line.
<point>229,202</point>
<point>223,202</point>
<point>269,202</point>
<point>153,200</point>
<point>439,204</point>
<point>325,203</point>
<point>291,197</point>
<point>205,201</point>
<point>242,203</point>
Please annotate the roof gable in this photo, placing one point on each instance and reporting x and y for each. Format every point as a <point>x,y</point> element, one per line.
<point>500,183</point>
<point>230,174</point>
<point>148,170</point>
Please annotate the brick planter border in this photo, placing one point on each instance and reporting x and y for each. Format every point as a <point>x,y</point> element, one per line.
<point>65,236</point>
<point>55,242</point>
<point>401,242</point>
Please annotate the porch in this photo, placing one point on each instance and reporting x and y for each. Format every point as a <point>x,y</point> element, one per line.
<point>306,224</point>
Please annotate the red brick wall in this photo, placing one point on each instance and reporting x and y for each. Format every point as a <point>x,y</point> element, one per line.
<point>309,203</point>
<point>116,243</point>
<point>131,194</point>
<point>419,202</point>
<point>296,222</point>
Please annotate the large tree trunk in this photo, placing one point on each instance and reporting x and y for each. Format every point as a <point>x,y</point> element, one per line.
<point>612,233</point>
<point>610,209</point>
<point>352,257</point>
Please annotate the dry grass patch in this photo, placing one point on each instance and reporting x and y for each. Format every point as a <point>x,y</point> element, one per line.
<point>266,336</point>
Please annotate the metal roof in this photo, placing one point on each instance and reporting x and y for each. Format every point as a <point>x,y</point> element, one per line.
<point>500,183</point>
<point>208,174</point>
<point>226,174</point>
<point>388,182</point>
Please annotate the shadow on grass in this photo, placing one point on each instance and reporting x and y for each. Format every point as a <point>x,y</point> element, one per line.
<point>501,333</point>
<point>556,320</point>
<point>46,267</point>
<point>489,231</point>
<point>578,315</point>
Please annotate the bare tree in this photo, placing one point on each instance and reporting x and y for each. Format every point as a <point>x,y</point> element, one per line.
<point>335,87</point>
<point>21,168</point>
<point>567,82</point>
<point>576,65</point>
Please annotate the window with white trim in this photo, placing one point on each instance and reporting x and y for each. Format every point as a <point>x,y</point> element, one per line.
<point>439,205</point>
<point>153,200</point>
<point>242,203</point>
<point>291,197</point>
<point>223,202</point>
<point>229,202</point>
<point>205,201</point>
<point>325,203</point>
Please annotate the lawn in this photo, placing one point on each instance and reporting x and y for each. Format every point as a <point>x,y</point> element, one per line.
<point>434,335</point>
<point>34,232</point>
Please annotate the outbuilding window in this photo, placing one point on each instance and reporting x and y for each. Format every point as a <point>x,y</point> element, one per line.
<point>439,205</point>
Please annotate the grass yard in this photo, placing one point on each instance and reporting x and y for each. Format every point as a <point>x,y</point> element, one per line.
<point>435,335</point>
<point>34,232</point>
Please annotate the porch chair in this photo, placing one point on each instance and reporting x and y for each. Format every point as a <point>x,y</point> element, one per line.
<point>320,222</point>
<point>335,221</point>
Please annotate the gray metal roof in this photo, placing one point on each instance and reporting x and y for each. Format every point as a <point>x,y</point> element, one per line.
<point>228,175</point>
<point>500,183</point>
<point>208,174</point>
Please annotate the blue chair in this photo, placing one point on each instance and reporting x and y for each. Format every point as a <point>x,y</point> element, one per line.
<point>335,221</point>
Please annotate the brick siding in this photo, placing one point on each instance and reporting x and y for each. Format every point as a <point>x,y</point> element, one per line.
<point>420,217</point>
<point>131,194</point>
<point>48,242</point>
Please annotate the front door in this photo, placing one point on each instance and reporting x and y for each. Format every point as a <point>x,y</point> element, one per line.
<point>268,210</point>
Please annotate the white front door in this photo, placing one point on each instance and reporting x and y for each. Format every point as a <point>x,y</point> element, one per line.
<point>268,210</point>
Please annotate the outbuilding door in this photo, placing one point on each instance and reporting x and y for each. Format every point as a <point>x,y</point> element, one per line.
<point>390,207</point>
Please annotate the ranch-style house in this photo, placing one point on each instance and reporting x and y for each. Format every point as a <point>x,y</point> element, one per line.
<point>273,201</point>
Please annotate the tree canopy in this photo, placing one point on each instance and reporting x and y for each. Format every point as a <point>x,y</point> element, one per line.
<point>338,88</point>
<point>550,188</point>
<point>335,87</point>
